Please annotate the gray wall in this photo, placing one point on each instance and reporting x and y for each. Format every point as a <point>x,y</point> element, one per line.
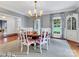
<point>45,21</point>
<point>26,22</point>
<point>29,22</point>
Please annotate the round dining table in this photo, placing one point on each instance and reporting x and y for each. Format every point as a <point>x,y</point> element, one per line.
<point>33,36</point>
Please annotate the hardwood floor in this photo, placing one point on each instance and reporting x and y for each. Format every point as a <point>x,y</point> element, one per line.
<point>9,39</point>
<point>75,47</point>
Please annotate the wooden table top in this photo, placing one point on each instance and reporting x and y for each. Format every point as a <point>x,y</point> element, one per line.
<point>34,36</point>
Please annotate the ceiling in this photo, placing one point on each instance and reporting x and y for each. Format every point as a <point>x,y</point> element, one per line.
<point>48,7</point>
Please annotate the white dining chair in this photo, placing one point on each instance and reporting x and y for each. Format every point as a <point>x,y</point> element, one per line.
<point>27,41</point>
<point>42,41</point>
<point>48,37</point>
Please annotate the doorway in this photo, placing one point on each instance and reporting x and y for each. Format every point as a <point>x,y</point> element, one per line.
<point>3,27</point>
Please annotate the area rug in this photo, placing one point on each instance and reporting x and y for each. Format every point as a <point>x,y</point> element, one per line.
<point>57,48</point>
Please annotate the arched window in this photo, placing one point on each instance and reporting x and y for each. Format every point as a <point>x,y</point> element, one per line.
<point>69,24</point>
<point>73,23</point>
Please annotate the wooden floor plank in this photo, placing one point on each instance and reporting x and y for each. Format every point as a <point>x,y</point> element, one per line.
<point>74,47</point>
<point>9,39</point>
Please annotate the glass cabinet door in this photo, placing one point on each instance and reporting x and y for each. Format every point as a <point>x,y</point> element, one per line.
<point>69,24</point>
<point>72,27</point>
<point>73,23</point>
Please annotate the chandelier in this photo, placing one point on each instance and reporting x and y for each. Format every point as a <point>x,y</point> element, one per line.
<point>35,14</point>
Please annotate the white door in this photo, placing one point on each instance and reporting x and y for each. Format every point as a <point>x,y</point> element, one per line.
<point>72,27</point>
<point>57,27</point>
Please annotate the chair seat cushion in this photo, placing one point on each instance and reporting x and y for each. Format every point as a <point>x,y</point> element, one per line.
<point>40,41</point>
<point>29,42</point>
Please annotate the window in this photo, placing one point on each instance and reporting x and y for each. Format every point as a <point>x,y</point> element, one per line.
<point>69,24</point>
<point>73,23</point>
<point>56,28</point>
